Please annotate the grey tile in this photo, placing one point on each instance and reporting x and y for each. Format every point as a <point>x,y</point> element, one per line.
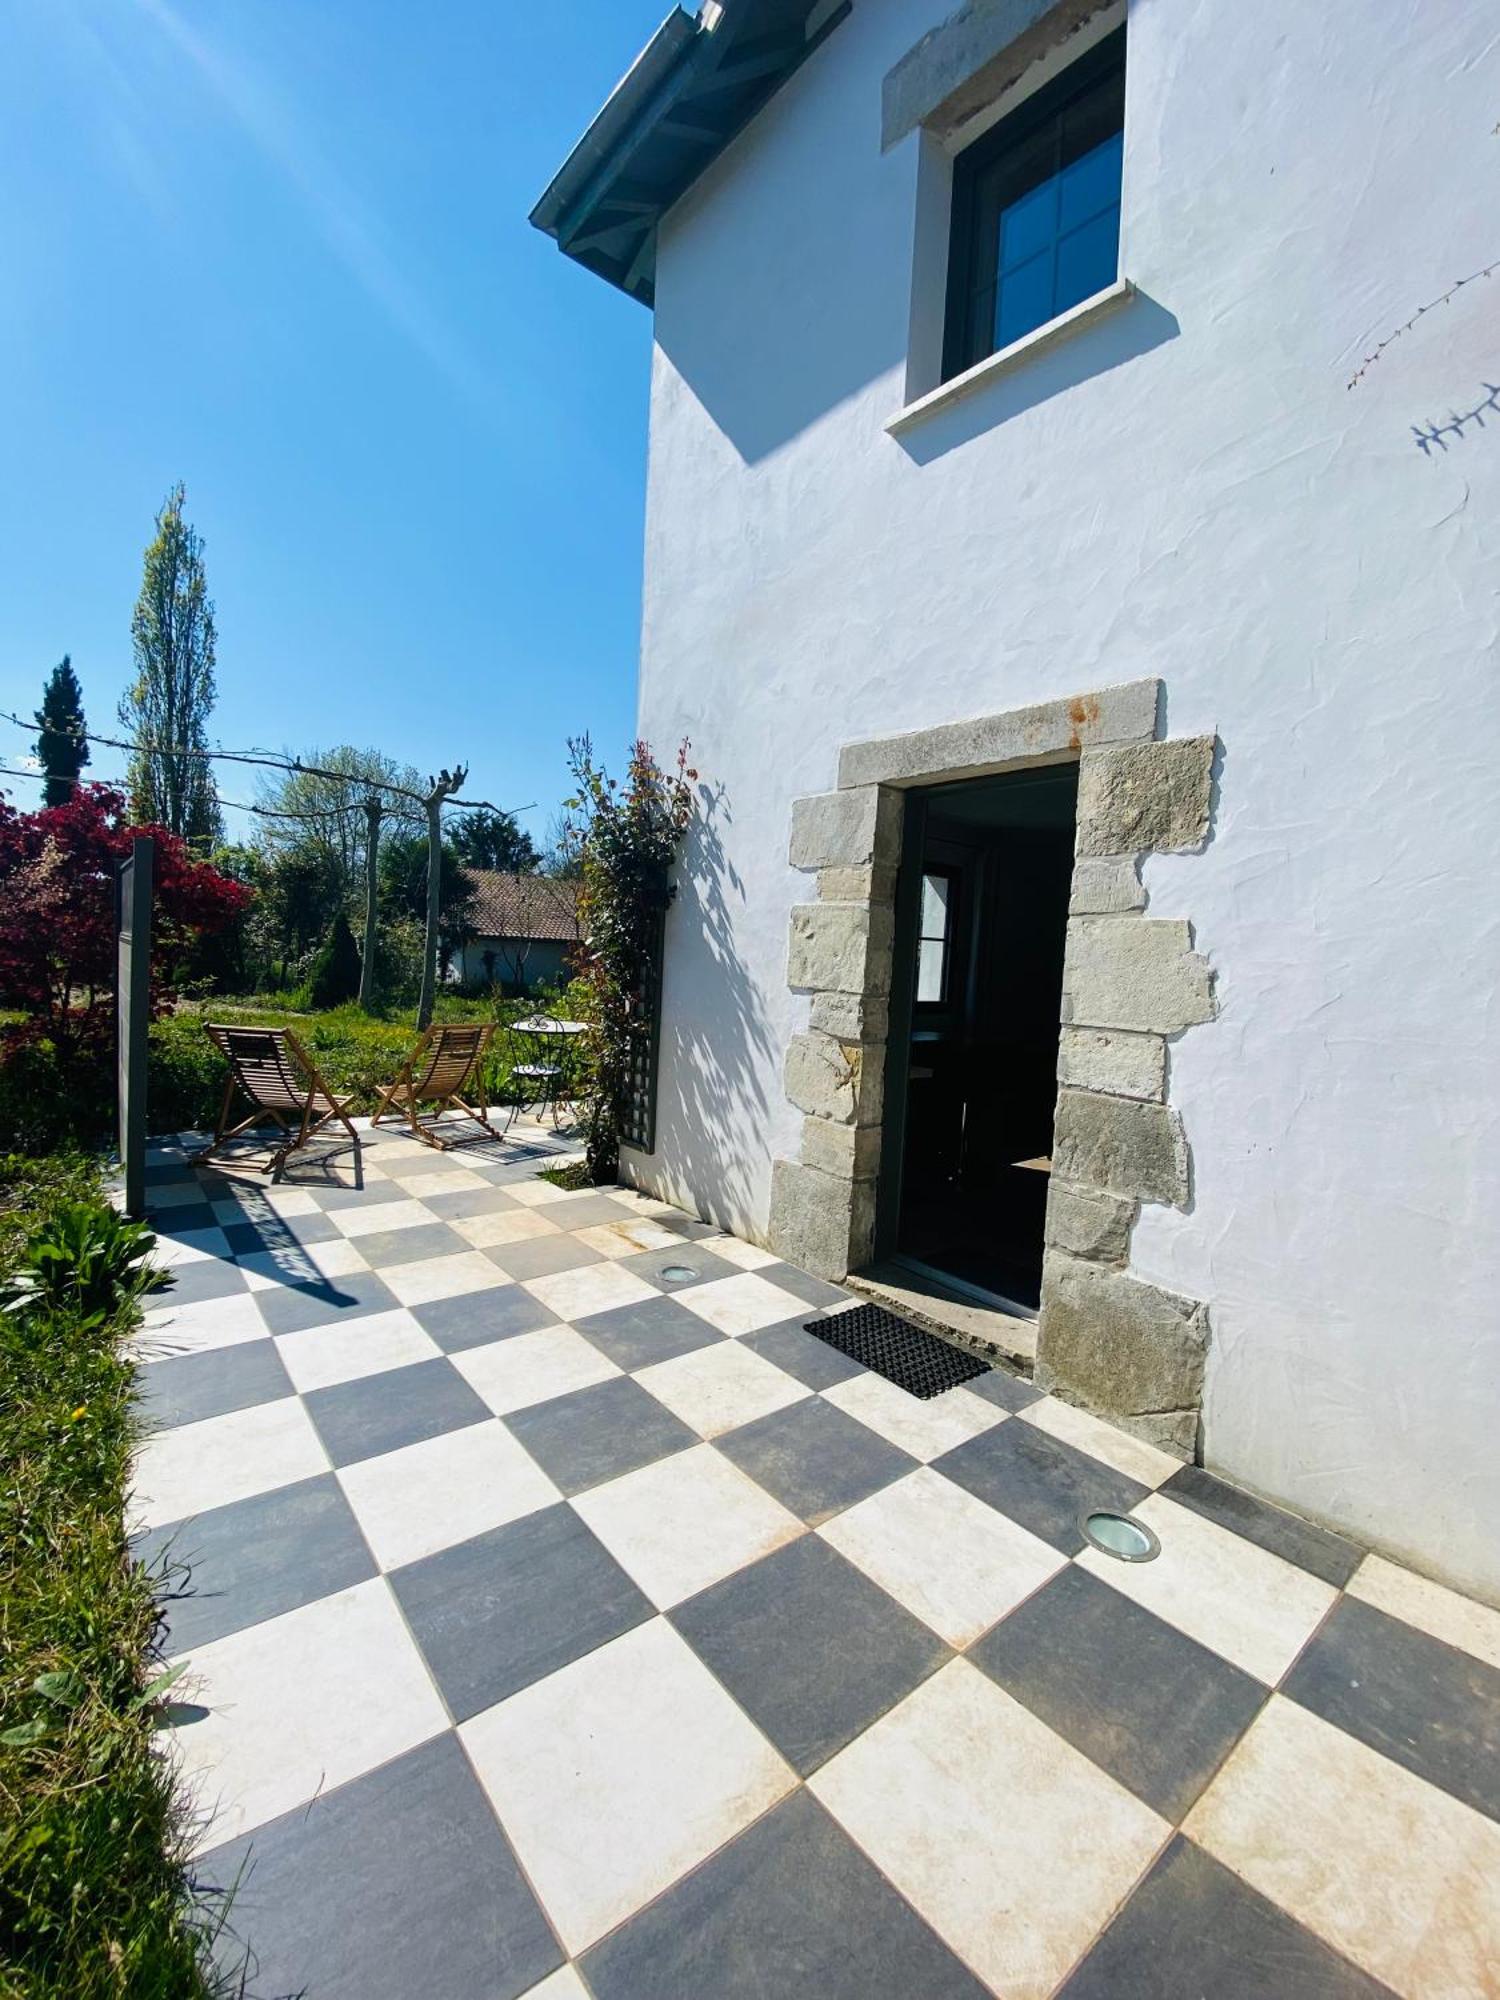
<point>809,1647</point>
<point>590,1435</point>
<point>464,1203</point>
<point>185,1220</point>
<point>585,1211</point>
<point>494,1614</point>
<point>652,1265</point>
<point>335,1199</point>
<point>790,1908</point>
<point>802,1354</point>
<point>1194,1931</point>
<point>476,1318</point>
<point>541,1256</point>
<point>1011,1392</point>
<point>1044,1484</point>
<point>187,1387</point>
<point>1319,1550</point>
<point>397,1407</point>
<point>398,1883</point>
<point>251,1239</point>
<point>1421,1703</point>
<point>814,1459</point>
<point>803,1285</point>
<point>652,1330</point>
<point>382,1248</point>
<point>293,1308</point>
<point>257,1558</point>
<point>195,1284</point>
<point>1151,1706</point>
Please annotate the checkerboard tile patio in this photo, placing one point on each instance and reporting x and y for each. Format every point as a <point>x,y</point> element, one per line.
<point>561,1628</point>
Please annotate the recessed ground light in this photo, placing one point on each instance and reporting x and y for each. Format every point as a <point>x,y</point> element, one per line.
<point>1121,1536</point>
<point>678,1274</point>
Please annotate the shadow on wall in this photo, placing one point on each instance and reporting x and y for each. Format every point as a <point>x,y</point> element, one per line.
<point>716,1046</point>
<point>1132,330</point>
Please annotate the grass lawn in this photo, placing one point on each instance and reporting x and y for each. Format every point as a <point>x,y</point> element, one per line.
<point>94,1893</point>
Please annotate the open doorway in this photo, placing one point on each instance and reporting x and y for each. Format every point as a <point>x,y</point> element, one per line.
<point>971,1089</point>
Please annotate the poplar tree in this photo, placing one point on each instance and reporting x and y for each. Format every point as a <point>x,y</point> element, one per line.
<point>167,706</point>
<point>62,749</point>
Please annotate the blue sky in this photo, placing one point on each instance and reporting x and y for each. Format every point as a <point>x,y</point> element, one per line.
<point>279,250</point>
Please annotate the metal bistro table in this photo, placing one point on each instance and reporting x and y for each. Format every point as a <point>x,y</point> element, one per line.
<point>545,1040</point>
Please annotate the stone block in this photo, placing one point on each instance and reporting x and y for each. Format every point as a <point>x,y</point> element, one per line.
<point>1113,1060</point>
<point>1135,972</point>
<point>829,1079</point>
<point>852,1017</point>
<point>1045,733</point>
<point>852,1152</point>
<point>1122,1146</point>
<point>1090,1225</point>
<point>820,1222</point>
<point>1136,796</point>
<point>876,884</point>
<point>1108,886</point>
<point>846,829</point>
<point>840,948</point>
<point>1125,1349</point>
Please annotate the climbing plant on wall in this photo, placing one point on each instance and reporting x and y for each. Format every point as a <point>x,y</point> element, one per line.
<point>625,839</point>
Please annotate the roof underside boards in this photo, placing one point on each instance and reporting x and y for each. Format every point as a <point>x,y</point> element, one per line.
<point>698,82</point>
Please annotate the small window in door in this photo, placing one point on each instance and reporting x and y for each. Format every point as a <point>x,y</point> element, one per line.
<point>934,939</point>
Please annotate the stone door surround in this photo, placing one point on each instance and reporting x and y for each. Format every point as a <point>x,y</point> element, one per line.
<point>1106,1339</point>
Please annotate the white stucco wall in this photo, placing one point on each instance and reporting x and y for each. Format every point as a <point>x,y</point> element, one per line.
<point>1188,490</point>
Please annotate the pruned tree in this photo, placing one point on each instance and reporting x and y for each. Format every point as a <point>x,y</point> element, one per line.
<point>167,705</point>
<point>62,748</point>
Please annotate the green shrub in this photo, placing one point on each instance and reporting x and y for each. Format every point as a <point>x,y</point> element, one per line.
<point>83,1258</point>
<point>335,973</point>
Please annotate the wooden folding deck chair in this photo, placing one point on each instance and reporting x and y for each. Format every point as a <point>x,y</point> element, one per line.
<point>446,1063</point>
<point>271,1068</point>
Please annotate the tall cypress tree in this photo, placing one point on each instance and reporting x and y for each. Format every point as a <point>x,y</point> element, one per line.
<point>167,706</point>
<point>61,749</point>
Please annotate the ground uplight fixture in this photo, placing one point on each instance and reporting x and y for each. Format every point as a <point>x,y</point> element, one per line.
<point>1121,1536</point>
<point>678,1274</point>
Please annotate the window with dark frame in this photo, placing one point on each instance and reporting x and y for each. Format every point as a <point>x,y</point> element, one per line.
<point>935,936</point>
<point>1036,209</point>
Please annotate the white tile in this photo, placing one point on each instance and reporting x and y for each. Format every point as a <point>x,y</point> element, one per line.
<point>748,1256</point>
<point>171,1252</point>
<point>718,1388</point>
<point>681,1524</point>
<point>741,1304</point>
<point>170,1329</point>
<point>536,1194</point>
<point>1397,1875</point>
<point>302,1264</point>
<point>564,1984</point>
<point>446,1489</point>
<point>208,1464</point>
<point>430,1278</point>
<point>532,1367</point>
<point>925,1429</point>
<point>592,1288</point>
<point>505,1225</point>
<point>1012,1844</point>
<point>642,1233</point>
<point>279,1199</point>
<point>299,1704</point>
<point>1132,1456</point>
<point>344,1349</point>
<point>618,1239</point>
<point>1246,1603</point>
<point>400,1213</point>
<point>956,1563</point>
<point>443,1180</point>
<point>619,1773</point>
<point>1457,1621</point>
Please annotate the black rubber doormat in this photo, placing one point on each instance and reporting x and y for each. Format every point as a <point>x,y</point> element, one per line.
<point>909,1356</point>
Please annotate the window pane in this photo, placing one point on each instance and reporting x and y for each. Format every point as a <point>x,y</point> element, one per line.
<point>1091,184</point>
<point>1088,260</point>
<point>934,907</point>
<point>1024,300</point>
<point>1028,225</point>
<point>930,969</point>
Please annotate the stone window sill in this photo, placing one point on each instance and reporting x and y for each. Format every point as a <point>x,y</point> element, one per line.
<point>1007,358</point>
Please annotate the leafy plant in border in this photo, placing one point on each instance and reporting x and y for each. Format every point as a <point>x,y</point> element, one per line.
<point>625,841</point>
<point>85,1259</point>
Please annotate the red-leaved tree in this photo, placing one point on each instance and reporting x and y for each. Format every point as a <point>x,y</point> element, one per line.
<point>57,922</point>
